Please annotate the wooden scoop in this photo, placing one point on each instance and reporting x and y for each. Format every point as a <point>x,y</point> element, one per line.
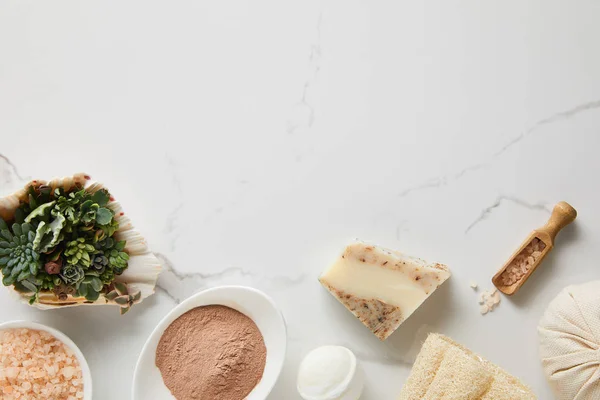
<point>532,252</point>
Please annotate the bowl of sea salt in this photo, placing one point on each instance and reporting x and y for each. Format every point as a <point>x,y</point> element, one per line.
<point>194,350</point>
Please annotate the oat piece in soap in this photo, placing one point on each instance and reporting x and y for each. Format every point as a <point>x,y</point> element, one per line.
<point>381,287</point>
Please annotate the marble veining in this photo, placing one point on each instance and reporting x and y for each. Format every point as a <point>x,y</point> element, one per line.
<point>178,286</point>
<point>303,113</point>
<point>9,171</point>
<point>499,201</point>
<point>172,217</point>
<point>559,116</point>
<point>556,117</point>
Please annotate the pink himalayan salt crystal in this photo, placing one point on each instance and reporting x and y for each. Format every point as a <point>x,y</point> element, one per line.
<point>523,262</point>
<point>36,365</point>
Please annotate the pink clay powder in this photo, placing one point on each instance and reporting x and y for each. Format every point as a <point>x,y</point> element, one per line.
<point>211,353</point>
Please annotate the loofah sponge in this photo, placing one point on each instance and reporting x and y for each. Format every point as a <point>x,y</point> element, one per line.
<point>445,370</point>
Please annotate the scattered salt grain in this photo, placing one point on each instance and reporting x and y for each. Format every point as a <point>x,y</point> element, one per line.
<point>496,297</point>
<point>473,285</point>
<point>489,300</point>
<point>36,365</point>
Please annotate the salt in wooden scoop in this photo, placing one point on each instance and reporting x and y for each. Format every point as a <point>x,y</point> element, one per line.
<point>532,252</point>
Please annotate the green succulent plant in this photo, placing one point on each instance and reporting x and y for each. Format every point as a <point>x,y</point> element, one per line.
<point>104,243</point>
<point>31,284</point>
<point>79,252</point>
<point>67,205</point>
<point>117,258</point>
<point>90,287</point>
<point>110,228</point>
<point>18,259</point>
<point>72,274</point>
<point>108,276</point>
<point>42,212</point>
<point>48,235</point>
<point>123,296</point>
<point>99,263</point>
<point>36,196</point>
<point>92,210</point>
<point>62,242</point>
<point>49,282</point>
<point>83,207</point>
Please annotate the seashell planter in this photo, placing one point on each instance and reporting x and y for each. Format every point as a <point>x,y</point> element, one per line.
<point>138,279</point>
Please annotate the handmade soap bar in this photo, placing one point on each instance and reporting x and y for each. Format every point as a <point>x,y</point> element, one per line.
<point>446,370</point>
<point>381,287</point>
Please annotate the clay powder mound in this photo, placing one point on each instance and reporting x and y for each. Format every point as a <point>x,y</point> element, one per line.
<point>211,353</point>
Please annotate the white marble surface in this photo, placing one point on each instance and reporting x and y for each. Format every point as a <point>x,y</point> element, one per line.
<point>250,141</point>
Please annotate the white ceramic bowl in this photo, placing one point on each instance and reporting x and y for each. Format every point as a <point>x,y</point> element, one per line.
<point>85,369</point>
<point>147,380</point>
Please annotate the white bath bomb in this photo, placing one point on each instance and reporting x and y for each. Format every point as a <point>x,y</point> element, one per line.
<point>569,334</point>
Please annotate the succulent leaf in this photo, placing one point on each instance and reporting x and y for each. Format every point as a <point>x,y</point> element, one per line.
<point>122,300</point>
<point>83,290</point>
<point>92,295</point>
<point>104,216</point>
<point>111,228</point>
<point>29,286</point>
<point>137,297</point>
<point>20,215</point>
<point>47,235</point>
<point>121,288</point>
<point>16,228</point>
<point>101,197</point>
<point>112,295</point>
<point>42,212</point>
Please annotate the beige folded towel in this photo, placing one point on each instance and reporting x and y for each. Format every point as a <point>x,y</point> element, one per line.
<point>445,370</point>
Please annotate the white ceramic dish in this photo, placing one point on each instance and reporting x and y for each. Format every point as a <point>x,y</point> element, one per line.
<point>147,380</point>
<point>85,369</point>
